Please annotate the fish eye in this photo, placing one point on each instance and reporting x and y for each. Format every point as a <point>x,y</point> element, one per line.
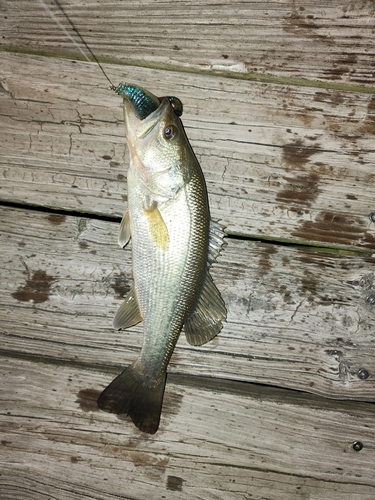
<point>169,132</point>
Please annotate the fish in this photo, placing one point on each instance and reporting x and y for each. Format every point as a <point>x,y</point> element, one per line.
<point>174,242</point>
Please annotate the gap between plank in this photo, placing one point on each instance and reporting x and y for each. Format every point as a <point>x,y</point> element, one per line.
<point>232,236</point>
<point>263,392</point>
<point>249,76</point>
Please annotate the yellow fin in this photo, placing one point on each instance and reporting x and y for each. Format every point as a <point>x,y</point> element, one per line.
<point>156,225</point>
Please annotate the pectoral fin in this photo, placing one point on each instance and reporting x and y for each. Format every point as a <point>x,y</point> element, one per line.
<point>156,225</point>
<point>124,233</point>
<point>205,322</point>
<point>128,313</point>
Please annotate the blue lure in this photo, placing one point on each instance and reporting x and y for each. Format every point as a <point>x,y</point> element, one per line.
<point>144,103</point>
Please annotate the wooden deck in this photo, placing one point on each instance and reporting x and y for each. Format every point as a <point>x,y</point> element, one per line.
<point>279,105</point>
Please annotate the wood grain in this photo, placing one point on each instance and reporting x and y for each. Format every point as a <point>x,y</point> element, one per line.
<point>281,162</point>
<point>279,106</point>
<point>330,42</point>
<point>297,318</point>
<point>217,441</point>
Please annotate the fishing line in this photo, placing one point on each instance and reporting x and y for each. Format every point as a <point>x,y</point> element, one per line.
<point>65,31</point>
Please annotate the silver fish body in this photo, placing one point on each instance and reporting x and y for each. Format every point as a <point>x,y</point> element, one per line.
<point>174,242</point>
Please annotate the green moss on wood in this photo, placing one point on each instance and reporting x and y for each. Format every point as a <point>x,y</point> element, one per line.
<point>249,76</point>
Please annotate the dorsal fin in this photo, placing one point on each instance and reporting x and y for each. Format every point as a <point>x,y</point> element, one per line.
<point>216,241</point>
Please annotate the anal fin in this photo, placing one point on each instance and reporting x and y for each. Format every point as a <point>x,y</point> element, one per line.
<point>205,322</point>
<point>128,313</point>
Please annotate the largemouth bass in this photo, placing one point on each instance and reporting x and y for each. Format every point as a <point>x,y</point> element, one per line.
<point>174,242</point>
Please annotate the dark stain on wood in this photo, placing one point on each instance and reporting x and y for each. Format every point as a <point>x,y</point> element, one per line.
<point>267,252</point>
<point>335,72</point>
<point>368,126</point>
<point>83,245</point>
<point>144,459</point>
<point>300,189</point>
<point>174,483</point>
<point>296,154</point>
<point>172,402</point>
<point>56,219</point>
<point>371,109</point>
<point>87,399</point>
<point>309,285</point>
<point>37,288</point>
<point>120,285</point>
<point>341,66</point>
<point>299,25</point>
<point>316,259</point>
<point>332,98</point>
<point>368,240</point>
<point>339,229</point>
<point>286,294</point>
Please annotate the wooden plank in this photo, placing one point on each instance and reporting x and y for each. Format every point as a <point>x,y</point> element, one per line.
<point>330,42</point>
<point>281,162</point>
<point>216,441</point>
<point>297,318</point>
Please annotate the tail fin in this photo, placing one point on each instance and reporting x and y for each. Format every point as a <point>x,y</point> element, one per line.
<point>127,394</point>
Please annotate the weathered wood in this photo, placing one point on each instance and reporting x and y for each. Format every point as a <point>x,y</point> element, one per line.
<point>297,318</point>
<point>286,157</point>
<point>281,162</point>
<point>330,42</point>
<point>217,440</point>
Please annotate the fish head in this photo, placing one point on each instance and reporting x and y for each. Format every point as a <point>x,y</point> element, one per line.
<point>157,143</point>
